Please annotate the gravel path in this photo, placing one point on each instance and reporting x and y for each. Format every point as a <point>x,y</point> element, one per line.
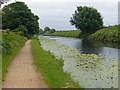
<point>21,72</point>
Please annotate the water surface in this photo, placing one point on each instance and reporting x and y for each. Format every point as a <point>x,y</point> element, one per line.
<point>88,70</point>
<point>109,50</point>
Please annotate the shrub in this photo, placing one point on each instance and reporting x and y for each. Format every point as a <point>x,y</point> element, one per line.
<point>110,34</point>
<point>11,41</point>
<point>22,30</point>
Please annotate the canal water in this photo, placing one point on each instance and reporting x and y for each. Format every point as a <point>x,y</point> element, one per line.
<point>110,50</point>
<point>87,69</point>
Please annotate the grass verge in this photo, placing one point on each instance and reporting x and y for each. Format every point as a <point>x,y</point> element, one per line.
<point>52,70</point>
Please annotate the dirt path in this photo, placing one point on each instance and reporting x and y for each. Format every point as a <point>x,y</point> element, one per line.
<point>21,72</point>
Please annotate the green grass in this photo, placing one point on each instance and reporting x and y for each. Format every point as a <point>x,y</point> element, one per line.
<point>110,34</point>
<point>75,34</point>
<point>50,68</point>
<point>11,44</point>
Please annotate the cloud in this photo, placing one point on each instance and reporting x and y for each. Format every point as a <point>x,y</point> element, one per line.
<point>56,13</point>
<point>119,12</point>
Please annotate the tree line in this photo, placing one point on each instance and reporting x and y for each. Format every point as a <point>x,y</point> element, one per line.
<point>47,30</point>
<point>17,17</point>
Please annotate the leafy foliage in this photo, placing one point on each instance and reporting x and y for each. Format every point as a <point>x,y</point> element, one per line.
<point>110,34</point>
<point>41,31</point>
<point>22,30</point>
<point>11,41</point>
<point>87,19</point>
<point>17,14</point>
<point>46,29</point>
<point>52,30</point>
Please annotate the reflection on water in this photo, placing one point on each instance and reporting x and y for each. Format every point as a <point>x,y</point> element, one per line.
<point>90,47</point>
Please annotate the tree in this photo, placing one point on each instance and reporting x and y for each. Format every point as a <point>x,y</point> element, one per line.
<point>52,31</point>
<point>41,31</point>
<point>46,29</point>
<point>87,19</point>
<point>16,14</point>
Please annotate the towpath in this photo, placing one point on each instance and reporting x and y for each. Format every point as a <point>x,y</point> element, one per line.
<point>22,73</point>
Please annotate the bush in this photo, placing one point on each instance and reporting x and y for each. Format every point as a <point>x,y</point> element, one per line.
<point>11,41</point>
<point>110,34</point>
<point>22,30</point>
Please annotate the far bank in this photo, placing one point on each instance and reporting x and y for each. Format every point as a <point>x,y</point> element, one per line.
<point>108,34</point>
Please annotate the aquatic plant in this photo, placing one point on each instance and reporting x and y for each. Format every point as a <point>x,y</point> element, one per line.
<point>89,70</point>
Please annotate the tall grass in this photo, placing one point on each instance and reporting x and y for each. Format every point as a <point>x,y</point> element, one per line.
<point>110,34</point>
<point>51,68</point>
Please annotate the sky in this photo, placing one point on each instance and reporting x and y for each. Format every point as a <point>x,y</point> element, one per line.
<point>56,13</point>
<point>119,12</point>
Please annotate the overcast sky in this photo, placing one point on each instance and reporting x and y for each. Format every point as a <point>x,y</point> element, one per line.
<point>56,13</point>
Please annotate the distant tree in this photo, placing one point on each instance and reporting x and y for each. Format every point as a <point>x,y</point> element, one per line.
<point>87,19</point>
<point>46,29</point>
<point>52,31</point>
<point>41,31</point>
<point>16,14</point>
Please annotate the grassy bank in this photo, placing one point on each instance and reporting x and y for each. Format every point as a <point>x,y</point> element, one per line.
<point>110,34</point>
<point>11,44</point>
<point>50,68</point>
<point>75,34</point>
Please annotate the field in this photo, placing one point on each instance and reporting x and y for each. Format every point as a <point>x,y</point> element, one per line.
<point>75,34</point>
<point>110,34</point>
